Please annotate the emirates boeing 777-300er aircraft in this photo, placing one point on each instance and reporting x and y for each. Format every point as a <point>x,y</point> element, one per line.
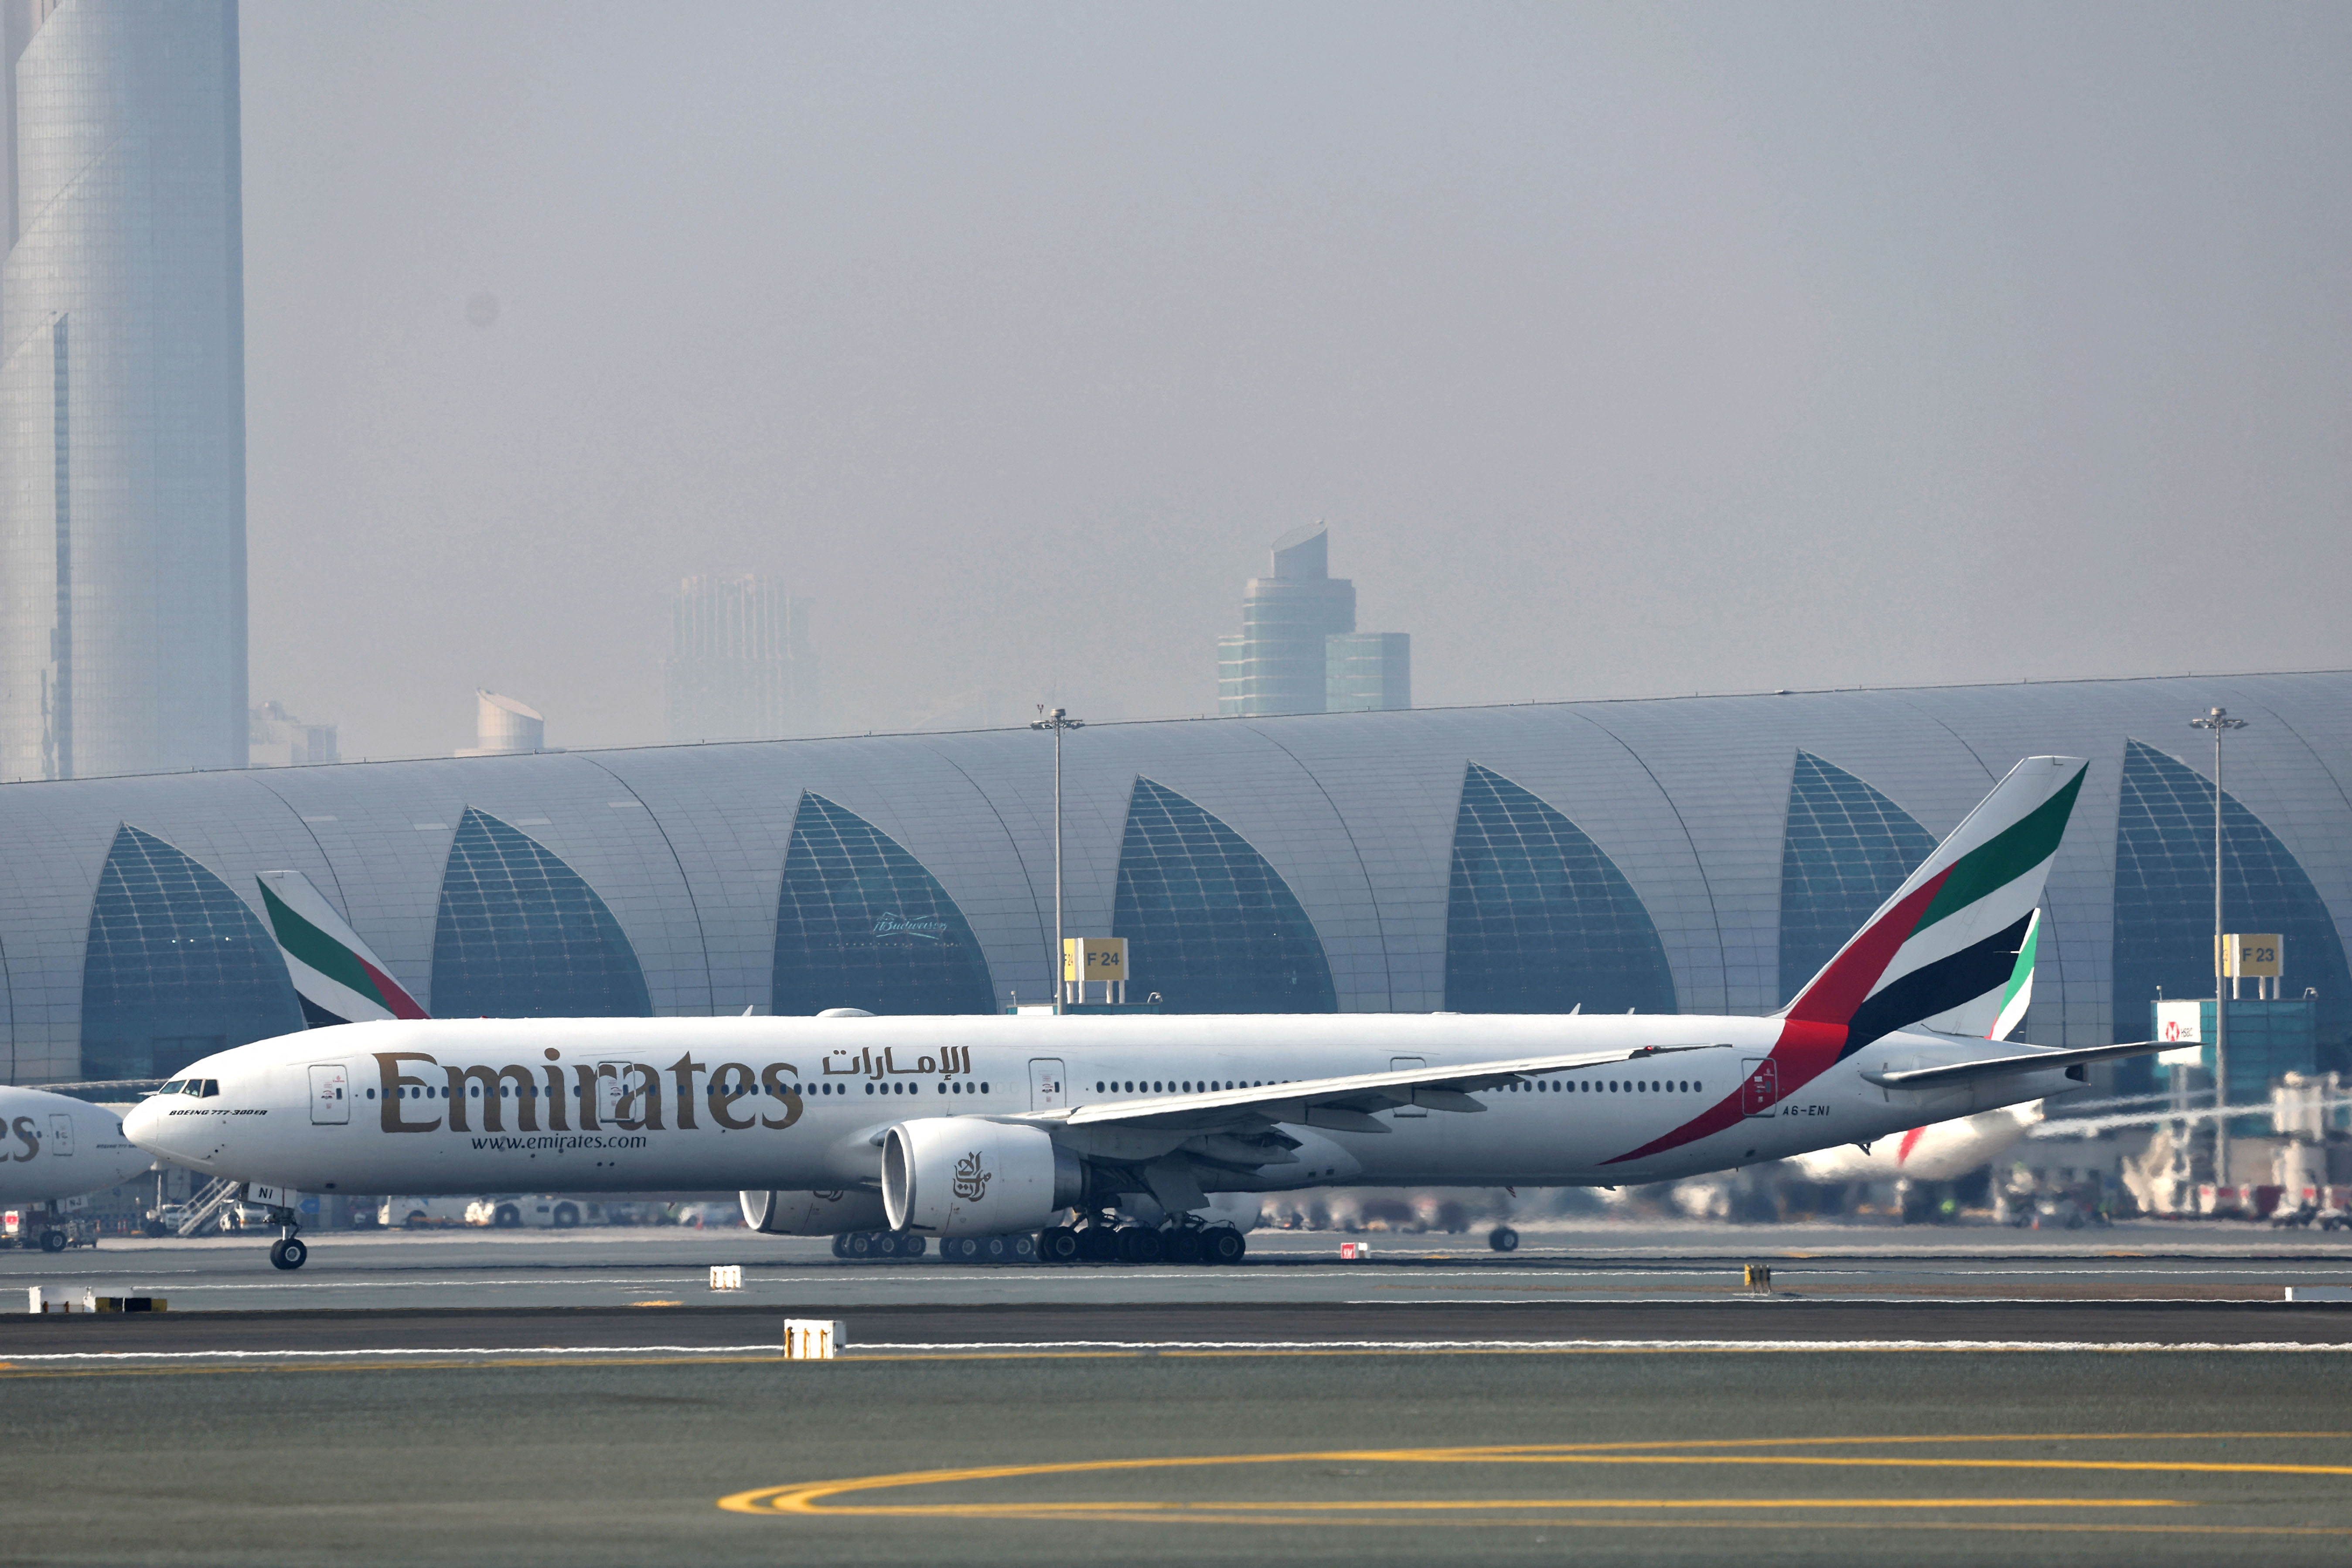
<point>1071,1127</point>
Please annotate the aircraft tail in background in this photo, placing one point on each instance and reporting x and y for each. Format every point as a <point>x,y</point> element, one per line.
<point>336,977</point>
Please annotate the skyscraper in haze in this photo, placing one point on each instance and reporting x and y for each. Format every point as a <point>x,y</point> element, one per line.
<point>1298,650</point>
<point>740,665</point>
<point>122,390</point>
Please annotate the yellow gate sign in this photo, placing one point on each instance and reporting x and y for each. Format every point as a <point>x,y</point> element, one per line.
<point>1089,959</point>
<point>2250,955</point>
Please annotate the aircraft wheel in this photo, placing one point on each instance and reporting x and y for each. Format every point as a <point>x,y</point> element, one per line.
<point>1137,1244</point>
<point>841,1246</point>
<point>912,1246</point>
<point>53,1241</point>
<point>289,1252</point>
<point>1181,1244</point>
<point>1221,1243</point>
<point>1503,1238</point>
<point>1099,1244</point>
<point>861,1244</point>
<point>1058,1243</point>
<point>995,1249</point>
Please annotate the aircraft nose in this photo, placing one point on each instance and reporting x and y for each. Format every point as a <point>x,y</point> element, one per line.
<point>143,1123</point>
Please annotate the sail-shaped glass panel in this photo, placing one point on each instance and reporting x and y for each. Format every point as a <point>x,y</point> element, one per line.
<point>860,923</point>
<point>177,966</point>
<point>2163,903</point>
<point>521,935</point>
<point>1210,925</point>
<point>1537,918</point>
<point>1846,847</point>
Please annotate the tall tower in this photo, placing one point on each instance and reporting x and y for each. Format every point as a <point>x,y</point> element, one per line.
<point>123,608</point>
<point>1298,650</point>
<point>740,665</point>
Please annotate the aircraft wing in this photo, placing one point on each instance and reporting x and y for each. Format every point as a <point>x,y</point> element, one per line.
<point>1346,1103</point>
<point>1997,1066</point>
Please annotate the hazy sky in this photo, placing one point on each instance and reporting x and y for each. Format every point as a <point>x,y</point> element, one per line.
<point>1626,350</point>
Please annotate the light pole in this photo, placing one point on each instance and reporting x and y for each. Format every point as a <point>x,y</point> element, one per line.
<point>1057,721</point>
<point>2219,720</point>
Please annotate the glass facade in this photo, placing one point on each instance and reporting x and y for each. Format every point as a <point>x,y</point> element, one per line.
<point>1502,857</point>
<point>521,935</point>
<point>177,966</point>
<point>1210,925</point>
<point>2164,901</point>
<point>1537,918</point>
<point>860,923</point>
<point>1845,848</point>
<point>123,645</point>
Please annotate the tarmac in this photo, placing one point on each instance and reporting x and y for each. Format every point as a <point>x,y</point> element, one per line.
<point>619,1267</point>
<point>1607,1395</point>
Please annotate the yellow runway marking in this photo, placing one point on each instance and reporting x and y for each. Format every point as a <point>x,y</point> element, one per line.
<point>819,1498</point>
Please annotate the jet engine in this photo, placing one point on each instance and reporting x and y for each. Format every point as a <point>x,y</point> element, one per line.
<point>955,1175</point>
<point>812,1214</point>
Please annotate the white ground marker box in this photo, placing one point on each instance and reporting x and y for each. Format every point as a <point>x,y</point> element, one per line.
<point>814,1339</point>
<point>2319,1292</point>
<point>727,1276</point>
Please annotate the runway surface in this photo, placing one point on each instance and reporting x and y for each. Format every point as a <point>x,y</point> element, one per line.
<point>586,1398</point>
<point>1797,1456</point>
<point>616,1268</point>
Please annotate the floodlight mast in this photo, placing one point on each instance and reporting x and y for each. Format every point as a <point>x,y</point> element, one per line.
<point>2218,720</point>
<point>1057,721</point>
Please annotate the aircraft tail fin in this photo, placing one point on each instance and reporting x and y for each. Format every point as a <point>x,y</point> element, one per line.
<point>1995,1015</point>
<point>337,978</point>
<point>1959,928</point>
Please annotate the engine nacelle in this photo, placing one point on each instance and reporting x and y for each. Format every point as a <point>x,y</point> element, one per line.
<point>958,1176</point>
<point>813,1214</point>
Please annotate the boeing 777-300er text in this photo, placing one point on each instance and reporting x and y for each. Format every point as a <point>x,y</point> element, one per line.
<point>53,1146</point>
<point>961,1127</point>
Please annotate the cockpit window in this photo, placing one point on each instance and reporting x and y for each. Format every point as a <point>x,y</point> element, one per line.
<point>212,1085</point>
<point>172,1087</point>
<point>193,1086</point>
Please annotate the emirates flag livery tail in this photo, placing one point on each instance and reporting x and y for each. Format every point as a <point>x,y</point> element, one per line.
<point>338,980</point>
<point>1952,932</point>
<point>1956,933</point>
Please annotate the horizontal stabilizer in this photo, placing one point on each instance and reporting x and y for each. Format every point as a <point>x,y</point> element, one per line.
<point>2002,1066</point>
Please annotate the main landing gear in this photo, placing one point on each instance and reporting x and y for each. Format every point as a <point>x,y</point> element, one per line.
<point>1101,1239</point>
<point>1503,1238</point>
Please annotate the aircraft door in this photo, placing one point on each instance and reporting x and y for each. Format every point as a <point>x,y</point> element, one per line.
<point>1760,1091</point>
<point>610,1078</point>
<point>1046,1089</point>
<point>1408,1064</point>
<point>60,1134</point>
<point>331,1094</point>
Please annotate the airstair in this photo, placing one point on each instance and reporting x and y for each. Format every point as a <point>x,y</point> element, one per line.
<point>203,1209</point>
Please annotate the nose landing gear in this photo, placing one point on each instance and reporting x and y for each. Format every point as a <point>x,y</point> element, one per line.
<point>289,1251</point>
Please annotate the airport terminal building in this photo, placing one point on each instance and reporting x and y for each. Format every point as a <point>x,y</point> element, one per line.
<point>1698,854</point>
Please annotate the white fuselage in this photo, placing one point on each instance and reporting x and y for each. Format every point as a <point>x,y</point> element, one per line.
<point>1941,1152</point>
<point>584,1105</point>
<point>53,1146</point>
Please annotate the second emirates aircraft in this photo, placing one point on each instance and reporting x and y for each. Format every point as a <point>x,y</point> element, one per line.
<point>951,1127</point>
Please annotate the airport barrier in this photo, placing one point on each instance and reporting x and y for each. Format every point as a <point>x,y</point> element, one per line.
<point>814,1339</point>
